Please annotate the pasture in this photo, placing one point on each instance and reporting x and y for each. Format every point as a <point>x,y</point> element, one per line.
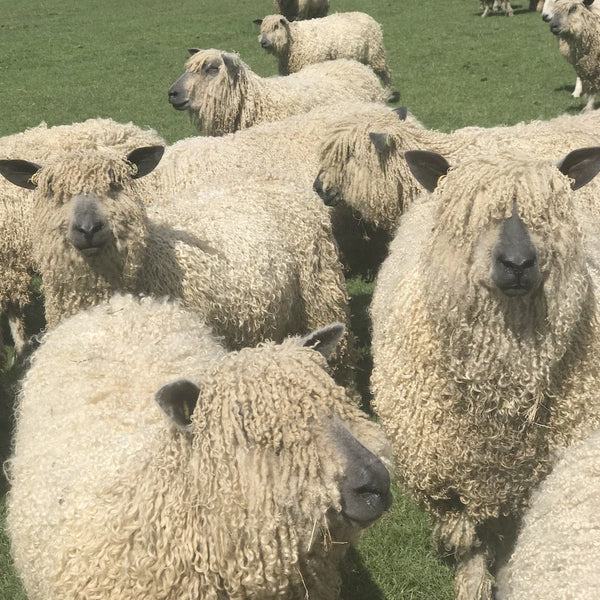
<point>63,62</point>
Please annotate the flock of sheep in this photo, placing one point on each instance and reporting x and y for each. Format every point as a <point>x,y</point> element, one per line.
<point>189,426</point>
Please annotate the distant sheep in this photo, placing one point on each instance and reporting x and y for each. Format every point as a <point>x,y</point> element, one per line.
<point>495,5</point>
<point>556,554</point>
<point>486,341</point>
<point>577,26</point>
<point>296,10</point>
<point>254,255</point>
<point>37,144</point>
<point>353,35</point>
<point>250,482</point>
<point>222,94</point>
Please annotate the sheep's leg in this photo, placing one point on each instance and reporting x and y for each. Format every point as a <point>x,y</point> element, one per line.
<point>473,580</point>
<point>17,329</point>
<point>508,9</point>
<point>590,104</point>
<point>578,88</point>
<point>486,11</point>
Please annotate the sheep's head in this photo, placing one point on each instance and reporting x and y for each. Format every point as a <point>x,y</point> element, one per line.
<point>506,231</point>
<point>571,17</point>
<point>209,78</point>
<point>274,34</point>
<point>81,208</point>
<point>286,453</point>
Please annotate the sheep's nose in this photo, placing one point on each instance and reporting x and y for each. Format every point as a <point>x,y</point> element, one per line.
<point>265,44</point>
<point>546,18</point>
<point>89,229</point>
<point>329,197</point>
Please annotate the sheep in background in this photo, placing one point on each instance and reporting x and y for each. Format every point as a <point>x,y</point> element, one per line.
<point>496,5</point>
<point>364,177</point>
<point>222,94</point>
<point>353,35</point>
<point>296,10</point>
<point>37,144</point>
<point>556,554</point>
<point>253,254</point>
<point>577,25</point>
<point>252,484</point>
<point>486,344</point>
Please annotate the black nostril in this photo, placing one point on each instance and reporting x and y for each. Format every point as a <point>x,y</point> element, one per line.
<point>546,18</point>
<point>520,266</point>
<point>173,94</point>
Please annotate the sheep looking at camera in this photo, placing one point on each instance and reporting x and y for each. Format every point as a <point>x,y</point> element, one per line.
<point>296,10</point>
<point>253,484</point>
<point>222,94</point>
<point>488,334</point>
<point>37,144</point>
<point>577,25</point>
<point>353,35</point>
<point>254,255</point>
<point>556,554</point>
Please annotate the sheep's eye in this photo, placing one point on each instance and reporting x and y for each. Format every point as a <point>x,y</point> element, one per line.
<point>211,69</point>
<point>572,9</point>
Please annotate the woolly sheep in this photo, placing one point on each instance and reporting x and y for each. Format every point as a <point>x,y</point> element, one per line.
<point>486,344</point>
<point>577,25</point>
<point>37,144</point>
<point>353,35</point>
<point>547,12</point>
<point>295,10</point>
<point>556,554</point>
<point>254,255</point>
<point>251,486</point>
<point>222,94</point>
<point>364,177</point>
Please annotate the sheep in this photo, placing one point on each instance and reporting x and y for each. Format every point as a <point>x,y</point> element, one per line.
<point>296,10</point>
<point>38,143</point>
<point>494,5</point>
<point>486,343</point>
<point>556,554</point>
<point>353,35</point>
<point>577,25</point>
<point>547,12</point>
<point>222,94</point>
<point>364,178</point>
<point>255,255</point>
<point>191,473</point>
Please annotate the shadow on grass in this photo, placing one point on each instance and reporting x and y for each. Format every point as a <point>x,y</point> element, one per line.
<point>361,326</point>
<point>357,582</point>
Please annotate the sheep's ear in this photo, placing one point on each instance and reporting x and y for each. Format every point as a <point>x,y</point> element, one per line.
<point>427,167</point>
<point>178,400</point>
<point>145,159</point>
<point>324,340</point>
<point>402,112</point>
<point>588,2</point>
<point>231,61</point>
<point>20,172</point>
<point>283,21</point>
<point>257,21</point>
<point>581,165</point>
<point>382,141</point>
<point>193,51</point>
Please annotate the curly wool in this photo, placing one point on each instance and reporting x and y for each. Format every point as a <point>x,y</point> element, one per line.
<point>353,35</point>
<point>255,255</point>
<point>580,41</point>
<point>510,378</point>
<point>556,555</point>
<point>38,144</point>
<point>296,10</point>
<point>237,97</point>
<point>234,505</point>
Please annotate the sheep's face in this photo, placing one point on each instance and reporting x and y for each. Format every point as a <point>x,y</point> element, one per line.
<point>571,17</point>
<point>548,10</point>
<point>286,453</point>
<point>206,72</point>
<point>274,34</point>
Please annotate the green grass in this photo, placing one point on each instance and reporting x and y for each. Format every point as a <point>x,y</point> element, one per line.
<point>63,61</point>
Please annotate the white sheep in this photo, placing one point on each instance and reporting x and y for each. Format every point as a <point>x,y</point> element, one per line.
<point>353,35</point>
<point>557,551</point>
<point>486,342</point>
<point>254,254</point>
<point>222,94</point>
<point>295,10</point>
<point>37,144</point>
<point>547,13</point>
<point>250,482</point>
<point>496,5</point>
<point>577,25</point>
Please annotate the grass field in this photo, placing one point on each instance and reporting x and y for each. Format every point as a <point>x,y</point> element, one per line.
<point>63,61</point>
